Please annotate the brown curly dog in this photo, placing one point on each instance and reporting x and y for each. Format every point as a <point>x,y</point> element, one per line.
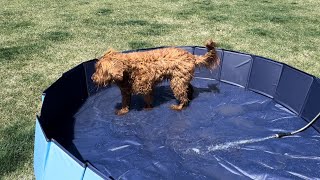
<point>140,72</point>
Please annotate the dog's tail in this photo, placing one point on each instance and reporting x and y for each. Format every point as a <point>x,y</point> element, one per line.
<point>210,59</point>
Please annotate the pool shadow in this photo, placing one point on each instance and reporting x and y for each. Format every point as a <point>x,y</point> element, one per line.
<point>163,95</point>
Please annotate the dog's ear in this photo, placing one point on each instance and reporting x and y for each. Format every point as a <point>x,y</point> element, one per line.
<point>101,76</point>
<point>117,70</point>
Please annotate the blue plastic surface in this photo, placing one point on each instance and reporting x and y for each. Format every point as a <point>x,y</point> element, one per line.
<point>41,147</point>
<point>62,99</point>
<point>92,173</point>
<point>61,165</point>
<point>312,107</point>
<point>293,88</point>
<point>265,76</point>
<point>225,133</point>
<point>236,68</point>
<point>89,70</point>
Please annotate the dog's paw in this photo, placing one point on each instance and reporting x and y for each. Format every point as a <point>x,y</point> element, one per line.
<point>122,111</point>
<point>147,107</point>
<point>176,107</point>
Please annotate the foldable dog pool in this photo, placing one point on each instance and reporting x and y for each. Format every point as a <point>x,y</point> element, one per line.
<point>227,132</point>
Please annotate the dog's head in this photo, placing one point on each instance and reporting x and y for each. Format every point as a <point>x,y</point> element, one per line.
<point>108,69</point>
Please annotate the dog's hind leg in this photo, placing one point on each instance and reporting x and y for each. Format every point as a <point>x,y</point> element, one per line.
<point>179,87</point>
<point>126,100</point>
<point>190,92</point>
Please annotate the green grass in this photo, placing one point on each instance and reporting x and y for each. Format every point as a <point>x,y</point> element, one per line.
<point>39,40</point>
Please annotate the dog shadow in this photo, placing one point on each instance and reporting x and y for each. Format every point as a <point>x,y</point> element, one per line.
<point>163,94</point>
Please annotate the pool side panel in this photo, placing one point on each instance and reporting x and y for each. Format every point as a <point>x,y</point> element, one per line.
<point>265,75</point>
<point>236,68</point>
<point>62,99</point>
<point>89,68</point>
<point>62,165</point>
<point>312,105</point>
<point>41,148</point>
<point>92,173</point>
<point>293,88</point>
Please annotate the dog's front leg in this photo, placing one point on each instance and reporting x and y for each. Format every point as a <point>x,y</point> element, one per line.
<point>126,100</point>
<point>148,99</point>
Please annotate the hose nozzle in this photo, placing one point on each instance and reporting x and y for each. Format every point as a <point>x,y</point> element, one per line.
<point>283,134</point>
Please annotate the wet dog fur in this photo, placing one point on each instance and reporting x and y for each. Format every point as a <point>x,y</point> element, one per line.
<point>140,72</point>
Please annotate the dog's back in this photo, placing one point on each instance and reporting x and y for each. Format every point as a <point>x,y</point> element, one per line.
<point>172,56</point>
<point>164,54</point>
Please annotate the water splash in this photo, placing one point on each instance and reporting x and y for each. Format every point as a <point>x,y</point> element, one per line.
<point>225,146</point>
<point>118,148</point>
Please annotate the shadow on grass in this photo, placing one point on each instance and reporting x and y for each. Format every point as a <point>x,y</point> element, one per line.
<point>12,53</point>
<point>16,147</point>
<point>157,29</point>
<point>217,18</point>
<point>103,12</point>
<point>132,22</point>
<point>205,9</point>
<point>313,32</point>
<point>149,28</point>
<point>57,36</point>
<point>139,44</point>
<point>260,32</point>
<point>275,18</point>
<point>9,26</point>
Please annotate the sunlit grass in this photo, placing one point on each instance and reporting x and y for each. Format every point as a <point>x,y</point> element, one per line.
<point>39,40</point>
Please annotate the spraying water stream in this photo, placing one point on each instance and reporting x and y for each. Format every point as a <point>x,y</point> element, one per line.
<point>233,144</point>
<point>228,145</point>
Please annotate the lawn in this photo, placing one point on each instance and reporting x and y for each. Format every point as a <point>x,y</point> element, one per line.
<point>39,40</point>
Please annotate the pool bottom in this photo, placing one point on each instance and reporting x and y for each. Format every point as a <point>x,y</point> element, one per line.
<point>225,133</point>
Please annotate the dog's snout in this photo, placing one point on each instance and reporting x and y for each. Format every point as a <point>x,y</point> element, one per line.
<point>94,77</point>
